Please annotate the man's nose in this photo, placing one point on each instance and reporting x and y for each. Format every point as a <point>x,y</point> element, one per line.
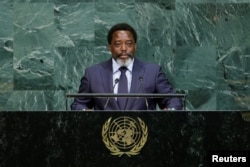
<point>123,47</point>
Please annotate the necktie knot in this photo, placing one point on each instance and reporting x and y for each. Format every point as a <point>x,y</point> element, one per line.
<point>123,69</point>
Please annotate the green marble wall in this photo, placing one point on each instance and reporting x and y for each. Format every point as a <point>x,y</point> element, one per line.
<point>203,46</point>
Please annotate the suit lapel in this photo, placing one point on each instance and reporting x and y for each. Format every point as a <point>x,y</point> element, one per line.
<point>138,71</point>
<point>106,76</point>
<point>107,80</point>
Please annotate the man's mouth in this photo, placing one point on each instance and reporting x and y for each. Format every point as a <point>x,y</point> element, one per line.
<point>124,55</point>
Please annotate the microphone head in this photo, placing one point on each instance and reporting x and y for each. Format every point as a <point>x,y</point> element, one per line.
<point>140,78</point>
<point>116,80</point>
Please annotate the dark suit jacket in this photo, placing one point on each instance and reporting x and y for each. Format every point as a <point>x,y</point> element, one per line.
<point>98,79</point>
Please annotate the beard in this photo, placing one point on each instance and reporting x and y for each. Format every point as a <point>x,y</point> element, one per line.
<point>123,62</point>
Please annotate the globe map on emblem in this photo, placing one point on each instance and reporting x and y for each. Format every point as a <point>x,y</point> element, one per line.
<point>124,133</point>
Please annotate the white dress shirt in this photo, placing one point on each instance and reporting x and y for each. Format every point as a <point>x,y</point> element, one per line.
<point>117,73</point>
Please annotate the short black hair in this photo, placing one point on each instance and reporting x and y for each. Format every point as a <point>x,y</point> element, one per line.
<point>121,26</point>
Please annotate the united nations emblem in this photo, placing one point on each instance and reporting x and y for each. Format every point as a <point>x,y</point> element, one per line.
<point>124,135</point>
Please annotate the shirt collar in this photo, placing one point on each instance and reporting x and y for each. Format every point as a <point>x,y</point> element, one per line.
<point>116,66</point>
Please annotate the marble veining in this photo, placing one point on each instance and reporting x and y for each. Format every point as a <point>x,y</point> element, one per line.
<point>203,46</point>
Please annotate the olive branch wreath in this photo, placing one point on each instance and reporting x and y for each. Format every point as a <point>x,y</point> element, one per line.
<point>116,151</point>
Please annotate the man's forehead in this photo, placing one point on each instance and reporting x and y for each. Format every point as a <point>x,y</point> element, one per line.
<point>122,34</point>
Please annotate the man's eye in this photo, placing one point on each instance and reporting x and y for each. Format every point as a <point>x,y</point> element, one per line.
<point>117,44</point>
<point>129,44</point>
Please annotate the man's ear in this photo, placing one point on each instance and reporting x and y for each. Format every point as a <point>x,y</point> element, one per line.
<point>109,47</point>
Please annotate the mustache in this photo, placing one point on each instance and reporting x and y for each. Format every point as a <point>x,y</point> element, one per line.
<point>127,54</point>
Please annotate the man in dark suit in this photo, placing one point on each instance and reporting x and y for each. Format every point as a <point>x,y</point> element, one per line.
<point>124,73</point>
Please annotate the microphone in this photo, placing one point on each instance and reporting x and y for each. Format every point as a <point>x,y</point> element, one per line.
<point>142,86</point>
<point>106,103</point>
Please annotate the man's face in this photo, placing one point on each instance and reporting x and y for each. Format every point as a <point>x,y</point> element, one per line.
<point>122,45</point>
